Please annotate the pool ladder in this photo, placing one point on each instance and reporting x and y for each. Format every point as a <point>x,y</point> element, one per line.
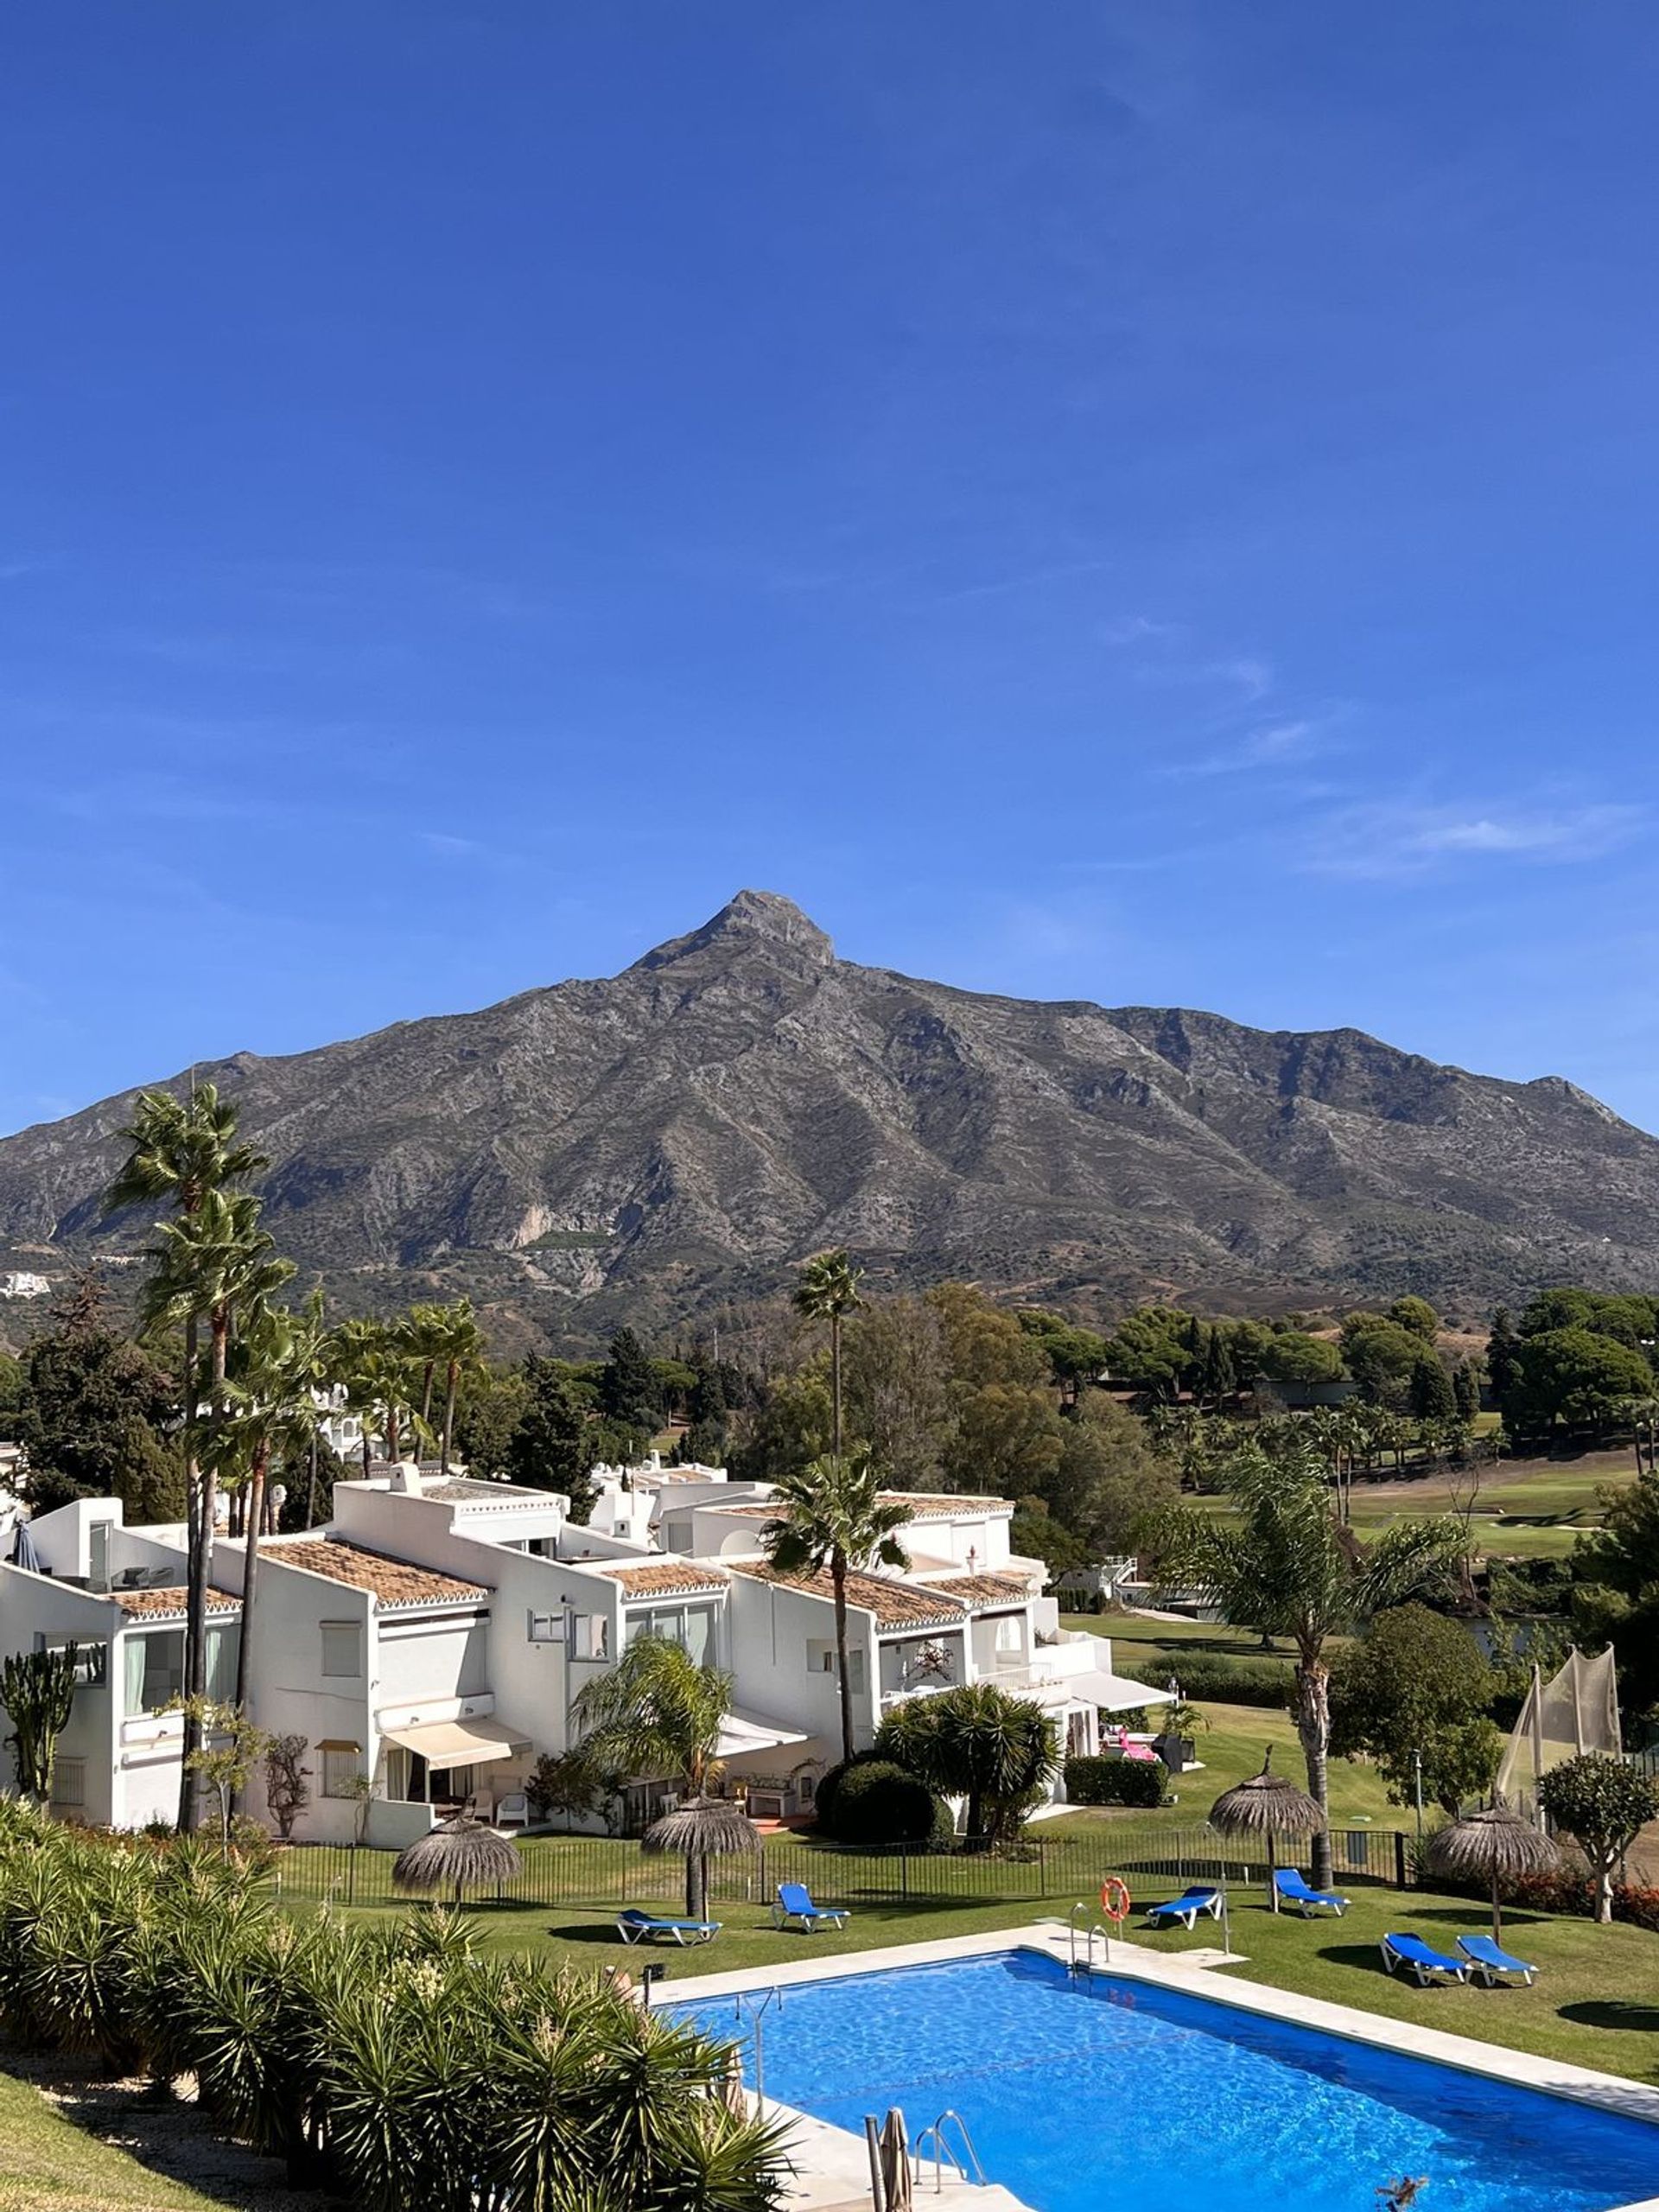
<point>934,2142</point>
<point>1097,1928</point>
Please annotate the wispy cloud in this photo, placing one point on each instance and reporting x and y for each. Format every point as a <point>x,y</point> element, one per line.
<point>1137,630</point>
<point>1385,839</point>
<point>1277,745</point>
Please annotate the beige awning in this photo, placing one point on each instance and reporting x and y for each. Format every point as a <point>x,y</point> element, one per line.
<point>1111,1692</point>
<point>459,1743</point>
<point>741,1734</point>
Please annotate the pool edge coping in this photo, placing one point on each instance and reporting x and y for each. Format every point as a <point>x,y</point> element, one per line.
<point>1051,1939</point>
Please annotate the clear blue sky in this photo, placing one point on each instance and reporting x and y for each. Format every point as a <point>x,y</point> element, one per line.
<point>1150,502</point>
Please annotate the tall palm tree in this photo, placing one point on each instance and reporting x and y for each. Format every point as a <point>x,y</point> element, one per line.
<point>270,1393</point>
<point>832,1514</point>
<point>183,1150</point>
<point>827,1290</point>
<point>1283,1563</point>
<point>458,1345</point>
<point>657,1714</point>
<point>216,1263</point>
<point>420,1336</point>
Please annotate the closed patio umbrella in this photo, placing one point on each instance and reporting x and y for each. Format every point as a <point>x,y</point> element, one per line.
<point>1266,1805</point>
<point>895,2162</point>
<point>461,1851</point>
<point>700,1829</point>
<point>23,1552</point>
<point>1494,1845</point>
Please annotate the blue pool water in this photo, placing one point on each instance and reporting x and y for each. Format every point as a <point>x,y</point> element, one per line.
<point>1108,2096</point>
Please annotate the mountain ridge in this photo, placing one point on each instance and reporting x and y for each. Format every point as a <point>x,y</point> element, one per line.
<point>685,1131</point>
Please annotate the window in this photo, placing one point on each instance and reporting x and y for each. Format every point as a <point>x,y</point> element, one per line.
<point>342,1764</point>
<point>342,1648</point>
<point>92,1660</point>
<point>223,1644</point>
<point>69,1782</point>
<point>855,1667</point>
<point>590,1636</point>
<point>152,1671</point>
<point>1009,1638</point>
<point>545,1628</point>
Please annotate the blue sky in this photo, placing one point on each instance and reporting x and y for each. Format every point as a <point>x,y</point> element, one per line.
<point>1154,503</point>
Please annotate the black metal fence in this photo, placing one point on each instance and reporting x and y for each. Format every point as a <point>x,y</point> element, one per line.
<point>600,1872</point>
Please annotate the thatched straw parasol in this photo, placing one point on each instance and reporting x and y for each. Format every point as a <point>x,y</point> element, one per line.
<point>461,1851</point>
<point>1495,1846</point>
<point>1265,1804</point>
<point>700,1829</point>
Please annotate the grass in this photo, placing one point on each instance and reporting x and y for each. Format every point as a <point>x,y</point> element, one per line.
<point>1526,1509</point>
<point>1596,2002</point>
<point>52,2165</point>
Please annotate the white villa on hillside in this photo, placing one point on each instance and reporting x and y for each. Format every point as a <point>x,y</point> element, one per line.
<point>435,1635</point>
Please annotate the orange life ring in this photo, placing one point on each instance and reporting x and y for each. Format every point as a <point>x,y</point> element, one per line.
<point>1115,1899</point>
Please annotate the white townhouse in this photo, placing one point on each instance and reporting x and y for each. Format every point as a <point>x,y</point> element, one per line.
<point>432,1641</point>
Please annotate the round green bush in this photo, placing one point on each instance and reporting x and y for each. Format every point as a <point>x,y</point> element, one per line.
<point>875,1801</point>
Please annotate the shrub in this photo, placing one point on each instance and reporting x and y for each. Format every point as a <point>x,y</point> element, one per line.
<point>1217,1681</point>
<point>878,1801</point>
<point>1114,1781</point>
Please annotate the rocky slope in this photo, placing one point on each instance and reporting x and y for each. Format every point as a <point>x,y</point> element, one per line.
<point>739,1096</point>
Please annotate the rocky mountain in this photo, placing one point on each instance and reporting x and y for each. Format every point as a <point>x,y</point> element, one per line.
<point>685,1131</point>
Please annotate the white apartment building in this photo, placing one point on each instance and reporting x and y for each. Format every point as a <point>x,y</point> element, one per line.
<point>434,1639</point>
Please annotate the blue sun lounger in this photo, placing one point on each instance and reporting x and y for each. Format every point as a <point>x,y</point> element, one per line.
<point>1494,1964</point>
<point>1201,1896</point>
<point>795,1902</point>
<point>1425,1961</point>
<point>1292,1889</point>
<point>635,1927</point>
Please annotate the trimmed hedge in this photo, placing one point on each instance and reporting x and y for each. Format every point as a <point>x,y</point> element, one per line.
<point>1114,1781</point>
<point>1211,1681</point>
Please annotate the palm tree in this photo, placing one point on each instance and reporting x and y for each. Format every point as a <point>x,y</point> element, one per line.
<point>183,1150</point>
<point>657,1714</point>
<point>219,1264</point>
<point>832,1514</point>
<point>975,1742</point>
<point>1283,1563</point>
<point>828,1291</point>
<point>270,1390</point>
<point>419,1335</point>
<point>458,1345</point>
<point>372,1359</point>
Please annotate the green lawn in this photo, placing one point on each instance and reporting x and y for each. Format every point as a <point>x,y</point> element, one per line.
<point>1530,1508</point>
<point>51,2165</point>
<point>1596,2002</point>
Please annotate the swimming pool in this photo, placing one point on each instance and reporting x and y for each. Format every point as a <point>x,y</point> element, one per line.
<point>1105,2091</point>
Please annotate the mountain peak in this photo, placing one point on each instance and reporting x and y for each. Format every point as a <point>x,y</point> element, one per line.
<point>754,916</point>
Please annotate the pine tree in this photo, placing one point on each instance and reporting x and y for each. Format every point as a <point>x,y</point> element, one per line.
<point>629,1393</point>
<point>555,1445</point>
<point>1432,1397</point>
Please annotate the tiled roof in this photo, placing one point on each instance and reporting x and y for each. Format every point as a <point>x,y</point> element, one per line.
<point>393,1581</point>
<point>171,1603</point>
<point>927,1505</point>
<point>985,1589</point>
<point>664,1578</point>
<point>895,1604</point>
<point>922,1505</point>
<point>462,1490</point>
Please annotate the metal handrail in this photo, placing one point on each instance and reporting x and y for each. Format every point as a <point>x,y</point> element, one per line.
<point>969,2167</point>
<point>1072,1932</point>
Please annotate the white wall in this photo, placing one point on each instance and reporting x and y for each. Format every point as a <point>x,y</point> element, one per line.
<point>770,1627</point>
<point>33,1605</point>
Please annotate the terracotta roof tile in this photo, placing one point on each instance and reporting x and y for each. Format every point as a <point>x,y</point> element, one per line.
<point>664,1578</point>
<point>895,1604</point>
<point>985,1589</point>
<point>924,1505</point>
<point>393,1581</point>
<point>171,1603</point>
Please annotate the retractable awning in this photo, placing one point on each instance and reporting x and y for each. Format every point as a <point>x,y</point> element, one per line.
<point>743,1733</point>
<point>1111,1692</point>
<point>459,1743</point>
